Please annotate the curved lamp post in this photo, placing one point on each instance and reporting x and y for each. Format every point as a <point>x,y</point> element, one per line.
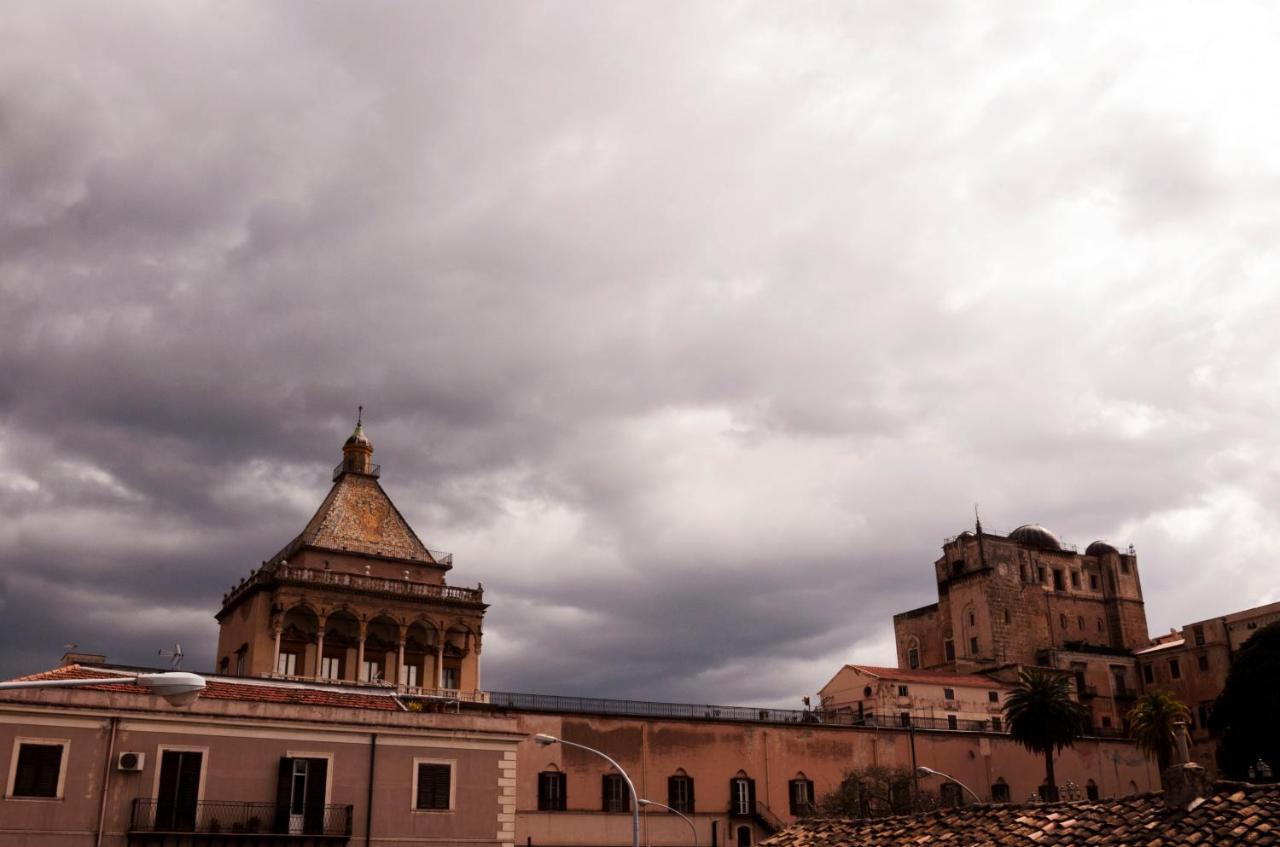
<point>923,771</point>
<point>692,828</point>
<point>546,740</point>
<point>178,688</point>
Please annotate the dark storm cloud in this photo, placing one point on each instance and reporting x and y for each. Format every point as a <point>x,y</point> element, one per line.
<point>691,330</point>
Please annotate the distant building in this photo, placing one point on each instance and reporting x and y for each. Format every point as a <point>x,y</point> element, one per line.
<point>926,699</point>
<point>1192,665</point>
<point>1028,599</point>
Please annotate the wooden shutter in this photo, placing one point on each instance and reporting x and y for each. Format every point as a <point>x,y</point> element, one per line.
<point>673,799</point>
<point>689,786</point>
<point>606,793</point>
<point>313,815</point>
<point>433,786</point>
<point>284,783</point>
<point>751,796</point>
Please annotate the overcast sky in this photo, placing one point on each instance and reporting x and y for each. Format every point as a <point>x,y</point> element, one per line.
<point>691,329</point>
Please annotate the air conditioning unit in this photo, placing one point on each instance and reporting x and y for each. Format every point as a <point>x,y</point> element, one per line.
<point>131,761</point>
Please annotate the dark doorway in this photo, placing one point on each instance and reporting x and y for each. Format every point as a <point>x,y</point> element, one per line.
<point>744,836</point>
<point>179,790</point>
<point>300,794</point>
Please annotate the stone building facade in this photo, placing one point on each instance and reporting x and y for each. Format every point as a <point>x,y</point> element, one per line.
<point>1192,665</point>
<point>356,597</point>
<point>1026,598</point>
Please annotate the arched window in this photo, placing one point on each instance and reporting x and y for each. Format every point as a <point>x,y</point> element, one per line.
<point>742,795</point>
<point>1000,791</point>
<point>950,794</point>
<point>551,790</point>
<point>913,653</point>
<point>801,795</point>
<point>614,794</point>
<point>680,792</point>
<point>866,692</point>
<point>1091,790</point>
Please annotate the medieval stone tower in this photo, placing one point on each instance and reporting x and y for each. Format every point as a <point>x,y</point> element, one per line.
<point>355,598</point>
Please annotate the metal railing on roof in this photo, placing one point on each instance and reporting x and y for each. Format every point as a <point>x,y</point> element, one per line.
<point>355,582</point>
<point>341,468</point>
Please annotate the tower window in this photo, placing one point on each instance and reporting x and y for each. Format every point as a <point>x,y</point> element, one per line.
<point>1175,669</point>
<point>993,696</point>
<point>615,796</point>
<point>1202,662</point>
<point>913,658</point>
<point>973,646</point>
<point>551,791</point>
<point>949,650</point>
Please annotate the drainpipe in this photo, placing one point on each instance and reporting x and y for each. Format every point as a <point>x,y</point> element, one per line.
<point>368,803</point>
<point>106,782</point>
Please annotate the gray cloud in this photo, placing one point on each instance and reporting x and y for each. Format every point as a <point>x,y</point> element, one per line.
<point>690,330</point>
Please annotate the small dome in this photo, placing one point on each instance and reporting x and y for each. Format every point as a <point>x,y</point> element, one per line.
<point>1034,535</point>
<point>1100,548</point>
<point>358,438</point>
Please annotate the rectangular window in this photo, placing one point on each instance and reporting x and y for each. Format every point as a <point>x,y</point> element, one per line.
<point>952,723</point>
<point>1198,633</point>
<point>801,796</point>
<point>1000,793</point>
<point>1124,565</point>
<point>1148,676</point>
<point>949,693</point>
<point>1175,669</point>
<point>614,795</point>
<point>1093,581</point>
<point>997,725</point>
<point>680,793</point>
<point>1040,573</point>
<point>288,664</point>
<point>1106,721</point>
<point>904,718</point>
<point>913,658</point>
<point>1058,584</point>
<point>38,770</point>
<point>449,678</point>
<point>240,663</point>
<point>1205,711</point>
<point>1202,662</point>
<point>371,671</point>
<point>950,795</point>
<point>331,668</point>
<point>973,646</point>
<point>993,696</point>
<point>409,675</point>
<point>551,791</point>
<point>433,789</point>
<point>1075,579</point>
<point>902,691</point>
<point>743,794</point>
<point>949,650</point>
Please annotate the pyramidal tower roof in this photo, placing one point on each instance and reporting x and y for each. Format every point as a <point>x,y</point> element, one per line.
<point>358,516</point>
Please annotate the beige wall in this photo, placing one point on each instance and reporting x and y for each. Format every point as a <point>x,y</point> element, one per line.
<point>712,753</point>
<point>924,699</point>
<point>243,744</point>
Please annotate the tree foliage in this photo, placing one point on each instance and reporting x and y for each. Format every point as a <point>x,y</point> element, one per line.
<point>1043,717</point>
<point>1153,723</point>
<point>1245,714</point>
<point>875,791</point>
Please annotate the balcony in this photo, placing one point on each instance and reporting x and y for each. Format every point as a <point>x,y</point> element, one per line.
<point>233,822</point>
<point>341,468</point>
<point>355,583</point>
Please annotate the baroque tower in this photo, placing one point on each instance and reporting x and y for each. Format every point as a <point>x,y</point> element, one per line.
<point>355,598</point>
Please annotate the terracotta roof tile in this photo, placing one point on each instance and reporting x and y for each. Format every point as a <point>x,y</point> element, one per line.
<point>1235,814</point>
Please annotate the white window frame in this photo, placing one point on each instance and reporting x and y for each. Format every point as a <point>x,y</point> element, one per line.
<point>328,778</point>
<point>282,662</point>
<point>331,662</point>
<point>453,786</point>
<point>64,743</point>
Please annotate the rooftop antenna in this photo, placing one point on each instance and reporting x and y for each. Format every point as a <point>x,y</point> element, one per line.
<point>174,656</point>
<point>359,415</point>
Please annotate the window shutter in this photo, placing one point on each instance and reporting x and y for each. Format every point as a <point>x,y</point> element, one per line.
<point>810,799</point>
<point>606,798</point>
<point>39,766</point>
<point>689,790</point>
<point>751,796</point>
<point>283,782</point>
<point>433,786</point>
<point>673,799</point>
<point>313,817</point>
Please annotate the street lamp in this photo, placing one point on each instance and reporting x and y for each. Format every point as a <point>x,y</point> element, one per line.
<point>178,688</point>
<point>923,771</point>
<point>546,740</point>
<point>692,828</point>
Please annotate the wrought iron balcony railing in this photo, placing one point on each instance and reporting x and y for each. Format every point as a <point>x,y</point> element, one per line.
<point>243,818</point>
<point>341,468</point>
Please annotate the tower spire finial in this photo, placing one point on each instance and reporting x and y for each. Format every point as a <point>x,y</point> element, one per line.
<point>359,415</point>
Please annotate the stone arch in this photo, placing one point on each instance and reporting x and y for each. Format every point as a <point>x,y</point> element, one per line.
<point>297,636</point>
<point>381,648</point>
<point>341,645</point>
<point>421,646</point>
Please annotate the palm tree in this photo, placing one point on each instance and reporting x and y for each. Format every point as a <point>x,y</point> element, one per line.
<point>1043,717</point>
<point>1154,724</point>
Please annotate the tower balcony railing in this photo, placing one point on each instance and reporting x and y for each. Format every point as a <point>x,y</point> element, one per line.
<point>363,583</point>
<point>341,468</point>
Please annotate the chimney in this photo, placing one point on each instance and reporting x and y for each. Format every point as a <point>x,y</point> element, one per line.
<point>1184,783</point>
